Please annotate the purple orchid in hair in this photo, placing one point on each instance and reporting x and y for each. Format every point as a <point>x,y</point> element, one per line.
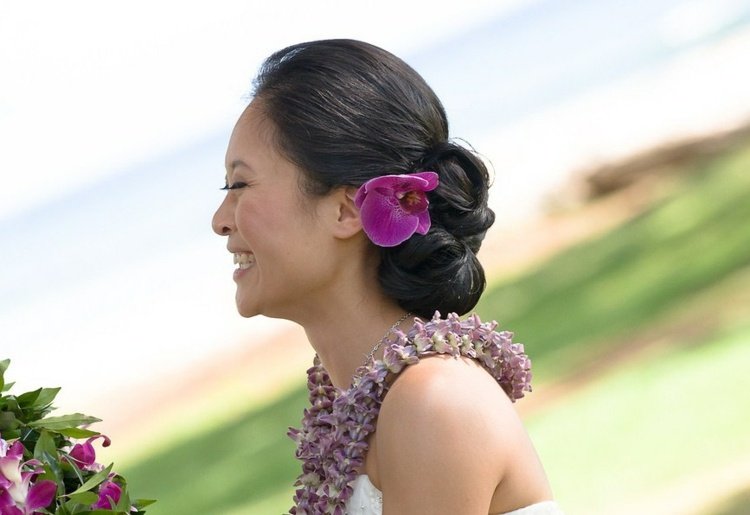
<point>394,207</point>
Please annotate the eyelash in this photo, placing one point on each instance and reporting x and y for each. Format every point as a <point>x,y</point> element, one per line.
<point>234,186</point>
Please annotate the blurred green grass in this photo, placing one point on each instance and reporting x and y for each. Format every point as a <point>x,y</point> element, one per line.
<point>248,460</point>
<point>632,433</point>
<point>584,299</point>
<point>639,428</point>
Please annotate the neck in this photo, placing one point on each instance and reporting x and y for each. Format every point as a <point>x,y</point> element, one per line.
<point>345,337</point>
<point>349,316</point>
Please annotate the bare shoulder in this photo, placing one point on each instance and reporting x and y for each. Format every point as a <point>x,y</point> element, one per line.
<point>445,417</point>
<point>449,390</point>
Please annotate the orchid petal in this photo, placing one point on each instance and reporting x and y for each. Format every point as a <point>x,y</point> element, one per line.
<point>10,462</point>
<point>10,468</point>
<point>9,509</point>
<point>5,500</point>
<point>109,496</point>
<point>41,494</point>
<point>423,222</point>
<point>16,450</point>
<point>431,178</point>
<point>385,222</point>
<point>411,182</point>
<point>83,454</point>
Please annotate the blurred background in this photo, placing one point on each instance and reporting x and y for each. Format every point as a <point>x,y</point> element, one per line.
<point>618,134</point>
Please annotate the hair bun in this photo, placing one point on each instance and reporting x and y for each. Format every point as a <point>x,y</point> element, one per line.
<point>440,270</point>
<point>460,202</point>
<point>432,272</point>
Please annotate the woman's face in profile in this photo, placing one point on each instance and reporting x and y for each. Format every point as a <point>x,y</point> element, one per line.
<point>273,229</point>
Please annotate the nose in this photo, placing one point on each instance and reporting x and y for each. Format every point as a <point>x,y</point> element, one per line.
<point>223,220</point>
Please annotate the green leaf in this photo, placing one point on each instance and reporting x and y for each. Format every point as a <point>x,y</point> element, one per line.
<point>12,404</point>
<point>94,480</point>
<point>86,498</point>
<point>3,367</point>
<point>45,450</point>
<point>12,434</point>
<point>46,396</point>
<point>142,503</point>
<point>77,432</point>
<point>27,399</point>
<point>124,503</point>
<point>64,422</point>
<point>7,386</point>
<point>8,421</point>
<point>45,444</point>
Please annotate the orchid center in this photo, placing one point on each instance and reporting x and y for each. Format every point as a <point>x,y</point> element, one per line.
<point>412,201</point>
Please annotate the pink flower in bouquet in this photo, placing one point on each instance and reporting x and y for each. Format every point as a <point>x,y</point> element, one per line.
<point>52,484</point>
<point>10,463</point>
<point>84,454</point>
<point>18,496</point>
<point>109,496</point>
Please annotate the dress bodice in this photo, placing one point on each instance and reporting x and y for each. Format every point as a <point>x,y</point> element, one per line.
<point>368,500</point>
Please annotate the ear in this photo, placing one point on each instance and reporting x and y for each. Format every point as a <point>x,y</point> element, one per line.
<point>346,222</point>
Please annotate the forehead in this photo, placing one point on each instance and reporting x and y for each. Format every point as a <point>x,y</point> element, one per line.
<point>252,138</point>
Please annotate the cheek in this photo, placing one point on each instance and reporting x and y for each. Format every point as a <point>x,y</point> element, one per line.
<point>249,218</point>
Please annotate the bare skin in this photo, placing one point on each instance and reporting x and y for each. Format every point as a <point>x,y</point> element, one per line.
<point>447,439</point>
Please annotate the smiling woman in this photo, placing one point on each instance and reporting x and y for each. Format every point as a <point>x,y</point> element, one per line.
<point>348,211</point>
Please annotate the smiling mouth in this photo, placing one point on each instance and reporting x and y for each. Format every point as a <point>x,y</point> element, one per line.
<point>244,260</point>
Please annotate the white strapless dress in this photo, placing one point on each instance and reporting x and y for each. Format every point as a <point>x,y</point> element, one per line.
<point>368,500</point>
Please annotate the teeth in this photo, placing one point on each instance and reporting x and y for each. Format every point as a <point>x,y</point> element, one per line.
<point>244,260</point>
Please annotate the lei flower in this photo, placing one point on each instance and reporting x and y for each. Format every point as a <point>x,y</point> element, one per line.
<point>42,472</point>
<point>394,207</point>
<point>332,442</point>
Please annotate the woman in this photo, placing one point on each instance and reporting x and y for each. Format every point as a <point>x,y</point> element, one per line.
<point>350,212</point>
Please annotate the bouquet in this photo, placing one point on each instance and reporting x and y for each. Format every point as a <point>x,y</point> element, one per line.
<point>45,469</point>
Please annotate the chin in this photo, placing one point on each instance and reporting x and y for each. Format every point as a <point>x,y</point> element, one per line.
<point>247,314</point>
<point>245,310</point>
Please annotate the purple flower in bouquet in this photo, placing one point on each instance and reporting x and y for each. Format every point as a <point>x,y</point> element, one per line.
<point>394,207</point>
<point>84,455</point>
<point>109,496</point>
<point>18,496</point>
<point>10,463</point>
<point>63,478</point>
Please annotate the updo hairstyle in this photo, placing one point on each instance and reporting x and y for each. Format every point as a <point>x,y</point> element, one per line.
<point>345,112</point>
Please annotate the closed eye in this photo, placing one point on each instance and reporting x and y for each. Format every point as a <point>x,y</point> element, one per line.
<point>235,186</point>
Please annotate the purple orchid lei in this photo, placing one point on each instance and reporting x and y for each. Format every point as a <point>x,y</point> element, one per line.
<point>332,442</point>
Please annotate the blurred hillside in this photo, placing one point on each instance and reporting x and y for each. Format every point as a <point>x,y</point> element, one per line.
<point>634,303</point>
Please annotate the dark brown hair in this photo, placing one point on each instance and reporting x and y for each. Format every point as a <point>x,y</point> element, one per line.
<point>345,111</point>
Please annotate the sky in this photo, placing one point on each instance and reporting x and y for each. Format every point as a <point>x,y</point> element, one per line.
<point>114,119</point>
